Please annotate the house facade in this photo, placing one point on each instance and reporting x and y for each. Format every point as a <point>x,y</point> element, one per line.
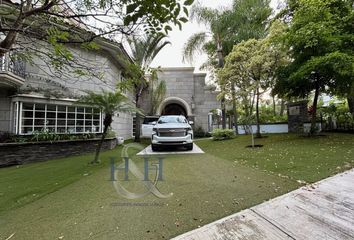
<point>32,98</point>
<point>186,94</point>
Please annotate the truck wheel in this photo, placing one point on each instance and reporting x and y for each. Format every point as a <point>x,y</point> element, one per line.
<point>190,146</point>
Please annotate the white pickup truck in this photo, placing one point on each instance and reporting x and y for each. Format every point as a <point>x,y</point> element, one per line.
<point>172,130</point>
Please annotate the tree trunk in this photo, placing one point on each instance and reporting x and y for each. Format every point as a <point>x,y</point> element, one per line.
<point>223,113</point>
<point>221,65</point>
<point>350,100</point>
<point>137,128</point>
<point>106,122</point>
<point>314,110</point>
<point>8,42</point>
<point>137,119</point>
<point>258,134</point>
<point>252,102</point>
<point>234,107</point>
<point>274,107</point>
<point>282,107</point>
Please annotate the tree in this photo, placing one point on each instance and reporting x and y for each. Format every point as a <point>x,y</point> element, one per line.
<point>250,69</point>
<point>144,50</point>
<point>320,39</point>
<point>247,19</point>
<point>109,103</point>
<point>214,19</point>
<point>27,26</point>
<point>157,90</point>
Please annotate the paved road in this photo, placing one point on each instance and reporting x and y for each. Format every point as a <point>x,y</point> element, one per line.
<point>324,210</point>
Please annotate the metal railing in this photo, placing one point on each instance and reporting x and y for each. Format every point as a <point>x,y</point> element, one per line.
<point>13,65</point>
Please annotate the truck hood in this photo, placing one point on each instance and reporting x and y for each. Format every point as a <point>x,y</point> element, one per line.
<point>172,125</point>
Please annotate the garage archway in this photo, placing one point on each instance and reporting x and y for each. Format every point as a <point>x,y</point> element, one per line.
<point>174,109</point>
<point>174,106</point>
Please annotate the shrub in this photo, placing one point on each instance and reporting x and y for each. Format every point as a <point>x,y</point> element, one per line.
<point>199,132</point>
<point>222,134</point>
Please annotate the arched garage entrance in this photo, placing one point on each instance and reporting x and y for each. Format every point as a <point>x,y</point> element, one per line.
<point>174,106</point>
<point>174,109</point>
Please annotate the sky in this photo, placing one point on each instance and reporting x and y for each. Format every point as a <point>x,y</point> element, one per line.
<point>171,55</point>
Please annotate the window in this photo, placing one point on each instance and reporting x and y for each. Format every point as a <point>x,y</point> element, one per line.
<point>56,118</point>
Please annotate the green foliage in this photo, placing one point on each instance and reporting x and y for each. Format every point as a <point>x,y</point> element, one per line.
<point>111,133</point>
<point>157,90</point>
<point>145,48</point>
<point>110,103</point>
<point>338,112</point>
<point>198,132</point>
<point>222,134</point>
<point>320,39</point>
<point>107,102</point>
<point>267,115</point>
<point>157,16</point>
<point>45,135</point>
<point>250,67</point>
<point>247,19</point>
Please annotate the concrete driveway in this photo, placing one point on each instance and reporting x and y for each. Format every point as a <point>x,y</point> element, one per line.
<point>324,210</point>
<point>170,151</point>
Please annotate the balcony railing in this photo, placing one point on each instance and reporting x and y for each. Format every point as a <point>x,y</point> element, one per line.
<point>13,65</point>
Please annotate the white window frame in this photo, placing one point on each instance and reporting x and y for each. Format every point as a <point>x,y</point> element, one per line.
<point>20,118</point>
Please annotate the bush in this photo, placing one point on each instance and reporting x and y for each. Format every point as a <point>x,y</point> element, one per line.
<point>222,134</point>
<point>199,132</point>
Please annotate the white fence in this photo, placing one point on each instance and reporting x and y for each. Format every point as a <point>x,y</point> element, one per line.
<point>266,128</point>
<point>274,128</point>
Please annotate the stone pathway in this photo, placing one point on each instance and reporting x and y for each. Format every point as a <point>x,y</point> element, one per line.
<point>324,210</point>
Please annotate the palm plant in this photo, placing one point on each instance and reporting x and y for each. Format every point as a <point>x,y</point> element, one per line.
<point>144,50</point>
<point>109,103</point>
<point>157,90</point>
<point>210,42</point>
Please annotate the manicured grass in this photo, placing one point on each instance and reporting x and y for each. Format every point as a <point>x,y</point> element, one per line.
<point>20,185</point>
<point>206,187</point>
<point>290,155</point>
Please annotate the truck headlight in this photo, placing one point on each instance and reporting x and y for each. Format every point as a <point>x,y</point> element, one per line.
<point>189,131</point>
<point>154,131</point>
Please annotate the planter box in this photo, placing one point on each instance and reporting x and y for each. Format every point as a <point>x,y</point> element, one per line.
<point>22,153</point>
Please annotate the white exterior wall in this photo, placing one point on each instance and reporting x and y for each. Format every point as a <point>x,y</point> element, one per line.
<point>266,128</point>
<point>39,78</point>
<point>5,110</point>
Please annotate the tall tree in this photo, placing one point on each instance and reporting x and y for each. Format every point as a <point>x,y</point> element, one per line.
<point>246,19</point>
<point>250,68</point>
<point>109,103</point>
<point>214,20</point>
<point>144,50</point>
<point>28,27</point>
<point>320,38</point>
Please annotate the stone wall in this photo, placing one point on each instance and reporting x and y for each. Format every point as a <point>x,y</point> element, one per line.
<point>205,100</point>
<point>22,153</point>
<point>297,116</point>
<point>184,84</point>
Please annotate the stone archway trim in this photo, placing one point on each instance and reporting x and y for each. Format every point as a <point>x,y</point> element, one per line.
<point>177,100</point>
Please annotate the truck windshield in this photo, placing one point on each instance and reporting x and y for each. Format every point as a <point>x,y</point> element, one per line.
<point>172,119</point>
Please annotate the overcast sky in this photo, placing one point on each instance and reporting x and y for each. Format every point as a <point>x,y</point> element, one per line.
<point>171,55</point>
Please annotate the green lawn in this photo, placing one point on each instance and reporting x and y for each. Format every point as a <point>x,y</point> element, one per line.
<point>69,199</point>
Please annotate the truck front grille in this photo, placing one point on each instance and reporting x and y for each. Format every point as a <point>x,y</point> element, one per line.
<point>172,133</point>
